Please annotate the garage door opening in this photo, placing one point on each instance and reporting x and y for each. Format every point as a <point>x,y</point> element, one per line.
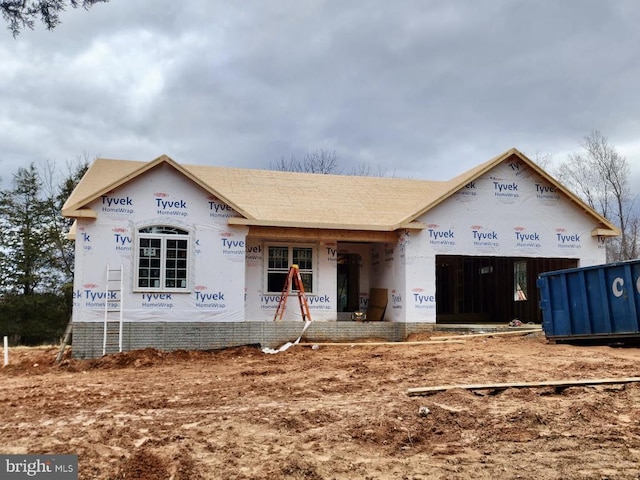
<point>491,289</point>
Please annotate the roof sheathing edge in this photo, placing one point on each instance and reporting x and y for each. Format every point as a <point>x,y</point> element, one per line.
<point>73,210</point>
<point>69,210</point>
<point>539,170</point>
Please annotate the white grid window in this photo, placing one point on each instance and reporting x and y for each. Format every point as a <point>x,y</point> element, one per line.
<point>280,258</point>
<point>162,258</point>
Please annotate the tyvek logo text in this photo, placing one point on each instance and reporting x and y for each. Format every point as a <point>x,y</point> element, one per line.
<point>422,299</point>
<point>123,242</point>
<point>527,240</point>
<point>157,300</point>
<point>174,208</point>
<point>484,239</point>
<point>94,298</point>
<point>439,236</point>
<point>220,210</point>
<point>467,193</point>
<point>209,300</point>
<point>121,205</point>
<point>546,192</point>
<point>567,240</point>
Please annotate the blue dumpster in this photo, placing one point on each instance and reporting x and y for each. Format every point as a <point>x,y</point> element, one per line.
<point>596,302</point>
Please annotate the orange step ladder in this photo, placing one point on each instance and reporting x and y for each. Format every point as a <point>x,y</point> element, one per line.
<point>293,277</point>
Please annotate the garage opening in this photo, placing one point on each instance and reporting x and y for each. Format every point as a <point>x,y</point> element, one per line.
<point>491,289</point>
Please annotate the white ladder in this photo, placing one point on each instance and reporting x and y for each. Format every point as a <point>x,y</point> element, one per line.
<point>112,337</point>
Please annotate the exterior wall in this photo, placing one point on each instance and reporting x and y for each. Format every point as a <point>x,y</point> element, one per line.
<point>161,197</point>
<point>261,305</point>
<point>508,212</point>
<point>388,270</point>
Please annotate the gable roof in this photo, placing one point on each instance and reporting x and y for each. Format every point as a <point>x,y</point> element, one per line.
<point>605,228</point>
<point>306,200</point>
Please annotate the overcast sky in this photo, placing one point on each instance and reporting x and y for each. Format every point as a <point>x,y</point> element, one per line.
<point>421,89</point>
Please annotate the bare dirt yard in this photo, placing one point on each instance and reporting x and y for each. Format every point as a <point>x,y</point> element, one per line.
<point>329,412</point>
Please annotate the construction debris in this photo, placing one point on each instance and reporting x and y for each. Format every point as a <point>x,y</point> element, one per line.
<point>502,386</point>
<point>371,344</point>
<point>488,334</point>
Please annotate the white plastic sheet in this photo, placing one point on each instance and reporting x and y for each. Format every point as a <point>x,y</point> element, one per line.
<point>287,345</point>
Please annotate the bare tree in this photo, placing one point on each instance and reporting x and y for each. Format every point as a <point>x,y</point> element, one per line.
<point>367,170</point>
<point>600,176</point>
<point>325,162</point>
<point>543,160</point>
<point>57,186</point>
<point>20,14</point>
<point>319,161</point>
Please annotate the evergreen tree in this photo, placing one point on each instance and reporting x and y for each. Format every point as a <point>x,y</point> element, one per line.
<point>24,238</point>
<point>36,258</point>
<point>21,14</point>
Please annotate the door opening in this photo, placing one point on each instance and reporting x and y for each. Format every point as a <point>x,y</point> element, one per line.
<point>348,282</point>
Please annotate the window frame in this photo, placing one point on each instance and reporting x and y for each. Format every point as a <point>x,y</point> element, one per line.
<point>290,261</point>
<point>520,281</point>
<point>164,237</point>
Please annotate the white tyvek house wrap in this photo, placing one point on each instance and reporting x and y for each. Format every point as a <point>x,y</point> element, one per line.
<point>509,212</point>
<point>161,197</point>
<point>262,305</point>
<point>388,271</point>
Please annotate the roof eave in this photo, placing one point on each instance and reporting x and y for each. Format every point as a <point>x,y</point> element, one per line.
<point>252,222</point>
<point>411,226</point>
<point>605,232</point>
<point>79,213</point>
<point>72,233</point>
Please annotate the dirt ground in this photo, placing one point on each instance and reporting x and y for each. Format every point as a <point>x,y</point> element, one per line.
<point>332,412</point>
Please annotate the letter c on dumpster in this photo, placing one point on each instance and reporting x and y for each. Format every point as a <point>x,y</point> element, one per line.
<point>616,287</point>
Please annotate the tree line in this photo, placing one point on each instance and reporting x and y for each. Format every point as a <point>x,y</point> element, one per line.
<point>36,257</point>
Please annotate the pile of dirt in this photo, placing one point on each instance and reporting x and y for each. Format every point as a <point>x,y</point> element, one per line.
<point>329,412</point>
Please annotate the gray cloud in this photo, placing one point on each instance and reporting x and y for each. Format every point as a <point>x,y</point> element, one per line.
<point>422,88</point>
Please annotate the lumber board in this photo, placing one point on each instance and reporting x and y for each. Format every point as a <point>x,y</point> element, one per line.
<point>370,344</point>
<point>488,334</point>
<point>501,386</point>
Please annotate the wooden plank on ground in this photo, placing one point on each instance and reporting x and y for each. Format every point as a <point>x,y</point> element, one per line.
<point>500,386</point>
<point>369,344</point>
<point>489,334</point>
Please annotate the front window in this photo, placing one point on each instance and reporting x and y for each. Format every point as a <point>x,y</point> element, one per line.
<point>280,258</point>
<point>162,259</point>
